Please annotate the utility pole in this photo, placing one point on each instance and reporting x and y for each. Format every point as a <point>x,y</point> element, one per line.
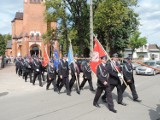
<point>91,27</point>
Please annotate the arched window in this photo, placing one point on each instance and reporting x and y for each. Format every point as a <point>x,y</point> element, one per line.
<point>37,36</point>
<point>32,36</point>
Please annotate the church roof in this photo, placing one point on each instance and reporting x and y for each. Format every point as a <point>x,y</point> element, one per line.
<point>18,16</point>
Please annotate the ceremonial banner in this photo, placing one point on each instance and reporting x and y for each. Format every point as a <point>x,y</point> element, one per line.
<point>70,55</point>
<point>98,52</point>
<point>45,59</point>
<point>56,59</point>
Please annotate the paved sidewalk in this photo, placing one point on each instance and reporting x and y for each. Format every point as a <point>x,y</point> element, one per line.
<point>23,101</point>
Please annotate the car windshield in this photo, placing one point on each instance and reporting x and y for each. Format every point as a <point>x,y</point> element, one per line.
<point>150,63</point>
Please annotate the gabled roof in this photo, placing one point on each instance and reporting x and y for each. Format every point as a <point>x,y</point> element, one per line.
<point>18,16</point>
<point>153,47</point>
<point>9,44</point>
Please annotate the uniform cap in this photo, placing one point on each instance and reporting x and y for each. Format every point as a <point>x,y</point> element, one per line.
<point>128,58</point>
<point>115,55</point>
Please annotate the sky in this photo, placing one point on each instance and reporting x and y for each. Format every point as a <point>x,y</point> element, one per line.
<point>148,10</point>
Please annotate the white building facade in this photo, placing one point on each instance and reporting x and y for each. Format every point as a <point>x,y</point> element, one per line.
<point>146,52</point>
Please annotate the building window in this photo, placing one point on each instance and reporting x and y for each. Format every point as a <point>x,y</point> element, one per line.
<point>32,36</point>
<point>35,1</point>
<point>37,36</point>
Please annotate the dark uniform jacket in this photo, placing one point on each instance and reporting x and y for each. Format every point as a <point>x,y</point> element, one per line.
<point>102,75</point>
<point>74,69</point>
<point>63,69</point>
<point>51,71</point>
<point>27,66</point>
<point>21,64</point>
<point>128,72</point>
<point>17,63</point>
<point>113,74</point>
<point>37,66</point>
<point>87,71</point>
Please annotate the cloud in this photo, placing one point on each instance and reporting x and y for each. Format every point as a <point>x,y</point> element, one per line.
<point>8,9</point>
<point>150,19</point>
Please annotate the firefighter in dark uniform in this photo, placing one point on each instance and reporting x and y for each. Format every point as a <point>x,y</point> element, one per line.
<point>20,66</point>
<point>114,78</point>
<point>128,77</point>
<point>37,71</point>
<point>51,75</point>
<point>103,84</point>
<point>17,63</point>
<point>87,76</point>
<point>28,69</point>
<point>64,74</point>
<point>43,70</point>
<point>75,75</point>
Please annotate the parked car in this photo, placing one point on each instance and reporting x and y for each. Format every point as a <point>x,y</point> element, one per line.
<point>146,70</point>
<point>135,65</point>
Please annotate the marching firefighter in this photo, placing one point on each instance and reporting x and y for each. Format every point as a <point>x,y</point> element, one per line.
<point>64,74</point>
<point>75,75</point>
<point>87,76</point>
<point>51,75</point>
<point>115,77</point>
<point>28,69</point>
<point>128,77</point>
<point>103,84</point>
<point>37,71</point>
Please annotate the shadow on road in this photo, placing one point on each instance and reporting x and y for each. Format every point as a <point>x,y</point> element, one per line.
<point>154,114</point>
<point>3,94</point>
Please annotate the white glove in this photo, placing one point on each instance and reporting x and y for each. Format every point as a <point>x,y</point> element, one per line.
<point>119,75</point>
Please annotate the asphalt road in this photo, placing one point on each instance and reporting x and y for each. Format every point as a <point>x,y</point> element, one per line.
<point>21,100</point>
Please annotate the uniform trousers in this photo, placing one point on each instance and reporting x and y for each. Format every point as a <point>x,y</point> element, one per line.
<point>107,94</point>
<point>133,90</point>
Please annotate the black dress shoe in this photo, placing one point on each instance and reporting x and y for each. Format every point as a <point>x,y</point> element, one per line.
<point>137,100</point>
<point>69,94</point>
<point>58,91</point>
<point>113,110</point>
<point>96,105</point>
<point>78,92</point>
<point>80,88</point>
<point>92,90</point>
<point>124,104</point>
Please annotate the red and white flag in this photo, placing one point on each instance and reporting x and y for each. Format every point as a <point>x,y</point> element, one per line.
<point>45,58</point>
<point>98,52</point>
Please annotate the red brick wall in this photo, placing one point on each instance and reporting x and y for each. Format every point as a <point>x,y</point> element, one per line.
<point>33,20</point>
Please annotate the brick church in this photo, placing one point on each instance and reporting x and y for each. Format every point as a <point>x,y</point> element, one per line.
<point>27,30</point>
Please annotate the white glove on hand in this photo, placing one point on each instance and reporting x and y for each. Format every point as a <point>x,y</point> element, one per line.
<point>119,75</point>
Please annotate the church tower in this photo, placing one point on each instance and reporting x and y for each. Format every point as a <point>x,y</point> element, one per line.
<point>33,18</point>
<point>28,28</point>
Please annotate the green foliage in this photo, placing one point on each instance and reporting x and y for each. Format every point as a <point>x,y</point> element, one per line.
<point>3,43</point>
<point>136,41</point>
<point>114,22</point>
<point>73,22</point>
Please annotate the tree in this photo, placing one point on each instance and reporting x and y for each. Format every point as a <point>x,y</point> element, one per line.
<point>3,43</point>
<point>55,11</point>
<point>73,19</point>
<point>136,41</point>
<point>114,21</point>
